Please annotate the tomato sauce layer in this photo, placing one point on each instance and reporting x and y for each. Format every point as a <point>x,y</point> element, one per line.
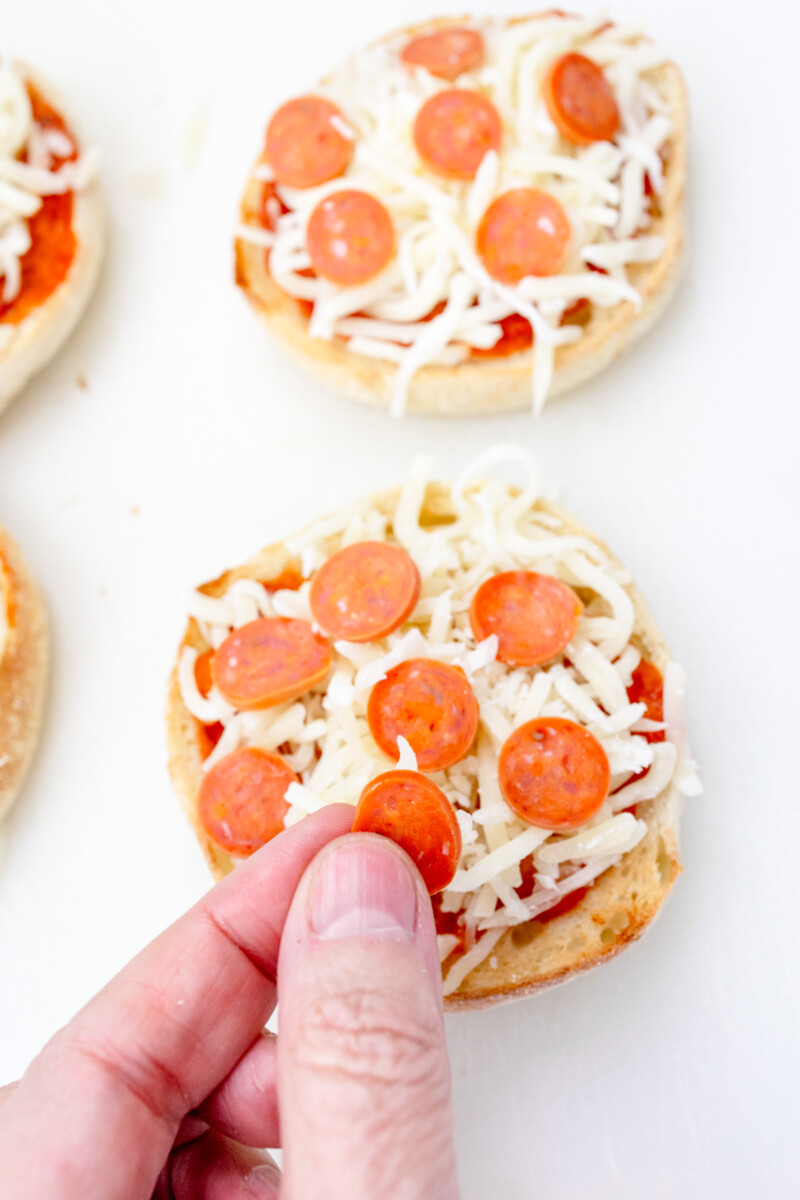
<point>47,263</point>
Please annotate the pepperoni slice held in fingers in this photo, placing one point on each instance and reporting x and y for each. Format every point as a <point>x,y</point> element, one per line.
<point>268,661</point>
<point>241,803</point>
<point>416,814</point>
<point>534,616</point>
<point>647,685</point>
<point>553,773</point>
<point>303,145</point>
<point>431,705</point>
<point>523,232</point>
<point>580,100</point>
<point>350,237</point>
<point>446,53</point>
<point>364,591</point>
<point>453,131</point>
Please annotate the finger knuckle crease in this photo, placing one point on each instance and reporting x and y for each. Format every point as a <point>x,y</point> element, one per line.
<point>145,1078</point>
<point>369,1036</point>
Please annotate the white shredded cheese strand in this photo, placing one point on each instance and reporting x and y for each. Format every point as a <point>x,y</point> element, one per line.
<point>469,961</point>
<point>16,114</point>
<point>614,836</point>
<point>208,710</point>
<point>508,855</point>
<point>406,758</point>
<point>686,777</point>
<point>661,773</point>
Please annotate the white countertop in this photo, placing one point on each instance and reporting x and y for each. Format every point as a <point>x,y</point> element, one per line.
<point>671,1071</point>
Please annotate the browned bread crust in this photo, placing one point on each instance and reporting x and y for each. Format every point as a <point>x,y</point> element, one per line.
<point>490,385</point>
<point>23,668</point>
<point>619,905</point>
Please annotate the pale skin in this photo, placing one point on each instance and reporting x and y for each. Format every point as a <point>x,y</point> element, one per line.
<point>161,1087</point>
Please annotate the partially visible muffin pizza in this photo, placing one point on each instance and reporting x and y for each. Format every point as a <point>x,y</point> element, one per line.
<point>51,227</point>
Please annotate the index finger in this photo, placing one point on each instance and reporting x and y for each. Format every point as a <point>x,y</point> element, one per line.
<point>113,1085</point>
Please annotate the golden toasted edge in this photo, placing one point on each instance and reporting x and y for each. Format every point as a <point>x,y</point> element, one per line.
<point>24,660</point>
<point>618,907</point>
<point>481,386</point>
<point>35,341</point>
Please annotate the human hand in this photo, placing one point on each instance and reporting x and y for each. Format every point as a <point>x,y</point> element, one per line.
<point>164,1082</point>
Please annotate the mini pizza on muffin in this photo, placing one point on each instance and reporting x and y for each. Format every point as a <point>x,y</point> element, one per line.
<point>51,227</point>
<point>476,673</point>
<point>471,215</point>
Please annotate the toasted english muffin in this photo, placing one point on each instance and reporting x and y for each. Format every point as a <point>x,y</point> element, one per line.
<point>23,669</point>
<point>625,892</point>
<point>482,382</point>
<point>39,318</point>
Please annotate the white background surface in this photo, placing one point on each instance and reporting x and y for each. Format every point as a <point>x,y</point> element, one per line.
<point>672,1071</point>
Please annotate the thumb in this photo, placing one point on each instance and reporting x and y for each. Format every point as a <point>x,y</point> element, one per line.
<point>363,1075</point>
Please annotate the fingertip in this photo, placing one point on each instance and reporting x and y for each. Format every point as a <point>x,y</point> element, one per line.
<point>362,885</point>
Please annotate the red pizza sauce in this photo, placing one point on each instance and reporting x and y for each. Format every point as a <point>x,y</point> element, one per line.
<point>47,263</point>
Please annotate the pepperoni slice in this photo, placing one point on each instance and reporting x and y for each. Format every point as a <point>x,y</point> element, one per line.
<point>534,616</point>
<point>350,237</point>
<point>416,814</point>
<point>454,129</point>
<point>431,705</point>
<point>303,145</point>
<point>580,100</point>
<point>553,773</point>
<point>647,684</point>
<point>268,661</point>
<point>523,232</point>
<point>364,591</point>
<point>241,803</point>
<point>446,53</point>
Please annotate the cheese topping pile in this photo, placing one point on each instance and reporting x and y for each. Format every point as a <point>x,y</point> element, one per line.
<point>602,187</point>
<point>24,183</point>
<point>497,528</point>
